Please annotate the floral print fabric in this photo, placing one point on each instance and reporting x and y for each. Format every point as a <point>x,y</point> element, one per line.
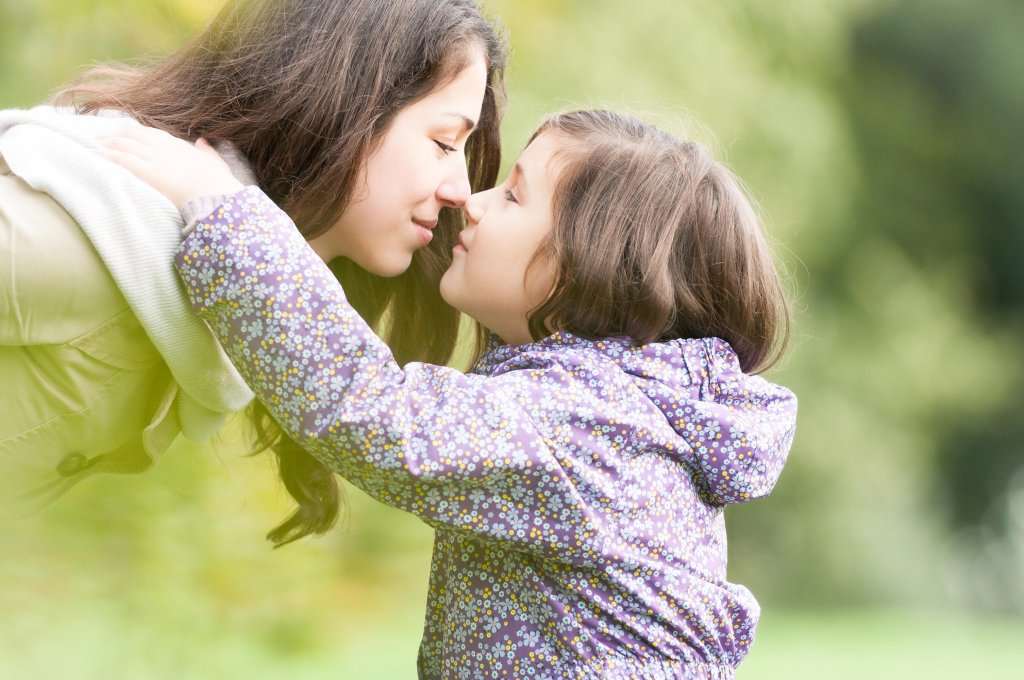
<point>576,486</point>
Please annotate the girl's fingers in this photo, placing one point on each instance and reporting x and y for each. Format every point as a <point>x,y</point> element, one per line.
<point>176,168</point>
<point>110,154</point>
<point>151,135</point>
<point>143,168</point>
<point>125,158</point>
<point>126,144</point>
<point>207,148</point>
<point>148,142</point>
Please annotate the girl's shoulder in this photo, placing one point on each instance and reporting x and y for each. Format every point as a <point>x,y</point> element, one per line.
<point>561,348</point>
<point>680,361</point>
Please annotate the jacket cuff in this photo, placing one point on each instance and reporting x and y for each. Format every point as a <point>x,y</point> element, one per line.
<point>199,207</point>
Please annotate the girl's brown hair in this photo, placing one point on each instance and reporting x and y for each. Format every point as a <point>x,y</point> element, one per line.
<point>655,240</point>
<point>306,89</point>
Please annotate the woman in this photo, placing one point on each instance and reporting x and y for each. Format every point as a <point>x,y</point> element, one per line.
<point>364,119</point>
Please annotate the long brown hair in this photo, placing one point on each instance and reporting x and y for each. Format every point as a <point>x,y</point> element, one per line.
<point>305,89</point>
<point>653,239</point>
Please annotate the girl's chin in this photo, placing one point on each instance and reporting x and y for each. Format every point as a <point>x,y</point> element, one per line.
<point>447,289</point>
<point>444,292</point>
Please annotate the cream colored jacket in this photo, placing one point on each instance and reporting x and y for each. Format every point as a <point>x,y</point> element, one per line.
<point>102,362</point>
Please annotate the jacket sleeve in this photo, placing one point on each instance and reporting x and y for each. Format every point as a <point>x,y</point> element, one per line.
<point>457,450</point>
<point>747,428</point>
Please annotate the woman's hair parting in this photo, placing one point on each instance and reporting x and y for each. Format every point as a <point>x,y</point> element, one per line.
<point>306,89</point>
<point>653,240</point>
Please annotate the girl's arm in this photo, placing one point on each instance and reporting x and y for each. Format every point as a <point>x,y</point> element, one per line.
<point>455,449</point>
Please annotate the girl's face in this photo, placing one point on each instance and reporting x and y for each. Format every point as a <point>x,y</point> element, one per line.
<point>418,168</point>
<point>490,277</point>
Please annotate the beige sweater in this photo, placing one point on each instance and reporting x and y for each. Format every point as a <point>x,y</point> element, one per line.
<point>135,231</point>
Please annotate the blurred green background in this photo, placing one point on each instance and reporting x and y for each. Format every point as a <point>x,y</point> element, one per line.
<point>882,138</point>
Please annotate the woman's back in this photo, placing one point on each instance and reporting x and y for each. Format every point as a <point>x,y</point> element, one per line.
<point>103,360</point>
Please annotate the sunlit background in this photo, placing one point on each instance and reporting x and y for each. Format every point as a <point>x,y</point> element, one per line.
<point>883,140</point>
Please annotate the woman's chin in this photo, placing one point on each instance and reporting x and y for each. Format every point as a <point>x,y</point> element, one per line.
<point>387,267</point>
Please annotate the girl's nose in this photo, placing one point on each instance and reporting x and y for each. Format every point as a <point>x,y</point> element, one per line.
<point>474,207</point>
<point>455,189</point>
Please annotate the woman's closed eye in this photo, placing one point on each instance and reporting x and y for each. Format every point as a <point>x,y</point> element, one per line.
<point>447,148</point>
<point>510,195</point>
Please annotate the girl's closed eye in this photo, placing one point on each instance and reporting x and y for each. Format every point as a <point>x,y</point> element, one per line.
<point>510,195</point>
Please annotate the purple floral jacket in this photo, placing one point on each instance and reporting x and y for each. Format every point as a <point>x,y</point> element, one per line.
<point>576,486</point>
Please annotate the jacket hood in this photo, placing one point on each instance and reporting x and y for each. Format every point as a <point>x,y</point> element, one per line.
<point>736,429</point>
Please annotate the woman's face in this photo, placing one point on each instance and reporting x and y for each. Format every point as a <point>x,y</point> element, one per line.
<point>418,168</point>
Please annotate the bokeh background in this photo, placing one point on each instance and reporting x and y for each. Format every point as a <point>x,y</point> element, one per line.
<point>883,140</point>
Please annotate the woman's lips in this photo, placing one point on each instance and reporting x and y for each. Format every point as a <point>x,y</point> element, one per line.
<point>425,229</point>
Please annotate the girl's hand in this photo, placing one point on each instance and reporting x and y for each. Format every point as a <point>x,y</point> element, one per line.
<point>172,166</point>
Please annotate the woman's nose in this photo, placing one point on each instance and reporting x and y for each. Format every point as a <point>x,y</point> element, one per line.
<point>455,189</point>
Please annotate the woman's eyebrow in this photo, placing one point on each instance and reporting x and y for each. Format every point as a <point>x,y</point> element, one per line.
<point>468,123</point>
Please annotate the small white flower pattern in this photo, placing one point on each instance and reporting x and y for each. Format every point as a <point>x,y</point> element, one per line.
<point>576,486</point>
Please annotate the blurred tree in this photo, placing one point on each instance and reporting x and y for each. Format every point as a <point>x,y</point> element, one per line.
<point>46,42</point>
<point>938,87</point>
<point>916,387</point>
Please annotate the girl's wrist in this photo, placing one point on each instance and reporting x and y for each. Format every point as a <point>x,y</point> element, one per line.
<point>195,209</point>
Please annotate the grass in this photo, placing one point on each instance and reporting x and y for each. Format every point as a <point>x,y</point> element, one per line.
<point>97,641</point>
<point>166,576</point>
<point>841,645</point>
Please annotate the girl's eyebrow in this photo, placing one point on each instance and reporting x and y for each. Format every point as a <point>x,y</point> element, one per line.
<point>521,183</point>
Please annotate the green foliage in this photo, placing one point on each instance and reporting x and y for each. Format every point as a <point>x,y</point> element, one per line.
<point>47,42</point>
<point>856,644</point>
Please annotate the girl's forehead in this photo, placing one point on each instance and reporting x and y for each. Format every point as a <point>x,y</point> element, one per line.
<point>544,150</point>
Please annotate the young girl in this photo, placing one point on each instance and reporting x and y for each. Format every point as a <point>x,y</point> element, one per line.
<point>577,476</point>
<point>104,362</point>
